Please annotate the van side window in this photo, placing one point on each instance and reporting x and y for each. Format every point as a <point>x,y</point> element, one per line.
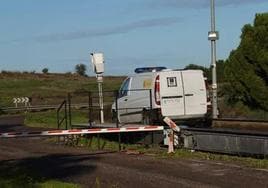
<point>124,88</point>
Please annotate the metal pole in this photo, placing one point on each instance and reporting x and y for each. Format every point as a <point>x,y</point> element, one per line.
<point>100,98</point>
<point>151,106</point>
<point>116,108</point>
<point>70,111</point>
<point>213,61</point>
<point>65,115</point>
<point>90,117</point>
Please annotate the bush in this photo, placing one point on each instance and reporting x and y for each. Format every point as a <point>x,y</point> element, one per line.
<point>45,70</point>
<point>81,69</point>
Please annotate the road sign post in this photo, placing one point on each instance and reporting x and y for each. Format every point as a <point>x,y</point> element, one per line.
<point>24,100</point>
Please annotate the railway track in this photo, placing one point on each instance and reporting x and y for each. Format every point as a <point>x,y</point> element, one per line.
<point>241,124</point>
<point>225,140</point>
<point>230,136</point>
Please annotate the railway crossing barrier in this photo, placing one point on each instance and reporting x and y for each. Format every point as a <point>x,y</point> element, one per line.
<point>97,131</point>
<point>81,131</point>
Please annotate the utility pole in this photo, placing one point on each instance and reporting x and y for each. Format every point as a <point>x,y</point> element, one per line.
<point>100,81</point>
<point>213,35</point>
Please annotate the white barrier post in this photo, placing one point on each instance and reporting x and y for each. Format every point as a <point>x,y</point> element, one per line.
<point>171,141</point>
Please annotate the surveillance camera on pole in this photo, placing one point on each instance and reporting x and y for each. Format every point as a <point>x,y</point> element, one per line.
<point>97,60</point>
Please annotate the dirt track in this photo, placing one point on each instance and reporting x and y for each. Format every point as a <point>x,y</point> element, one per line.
<point>80,166</point>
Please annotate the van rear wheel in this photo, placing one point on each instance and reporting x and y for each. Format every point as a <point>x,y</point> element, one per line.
<point>146,119</point>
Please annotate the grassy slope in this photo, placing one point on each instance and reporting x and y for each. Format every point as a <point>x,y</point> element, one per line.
<point>50,89</point>
<point>40,86</point>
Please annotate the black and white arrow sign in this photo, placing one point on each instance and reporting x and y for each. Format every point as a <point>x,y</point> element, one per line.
<point>21,100</point>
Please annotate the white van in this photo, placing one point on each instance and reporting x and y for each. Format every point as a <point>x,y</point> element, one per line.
<point>155,92</point>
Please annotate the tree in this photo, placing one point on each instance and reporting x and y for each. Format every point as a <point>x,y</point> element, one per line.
<point>207,71</point>
<point>45,70</point>
<point>81,69</point>
<point>220,65</point>
<point>246,69</point>
<point>198,67</point>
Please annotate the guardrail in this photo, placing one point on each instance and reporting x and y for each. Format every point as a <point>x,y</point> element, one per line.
<point>226,141</point>
<point>43,107</point>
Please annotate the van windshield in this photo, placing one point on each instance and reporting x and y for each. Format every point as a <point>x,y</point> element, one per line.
<point>124,88</point>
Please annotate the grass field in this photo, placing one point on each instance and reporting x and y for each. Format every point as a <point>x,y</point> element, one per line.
<point>14,176</point>
<point>48,88</point>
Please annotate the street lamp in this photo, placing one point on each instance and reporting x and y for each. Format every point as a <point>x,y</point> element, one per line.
<point>213,35</point>
<point>97,60</point>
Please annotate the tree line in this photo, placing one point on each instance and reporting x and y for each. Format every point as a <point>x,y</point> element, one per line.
<point>245,72</point>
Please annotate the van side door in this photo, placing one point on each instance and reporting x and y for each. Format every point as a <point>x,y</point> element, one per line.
<point>171,93</point>
<point>139,98</point>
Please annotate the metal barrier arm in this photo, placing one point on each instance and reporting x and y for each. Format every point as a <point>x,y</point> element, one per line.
<point>81,131</point>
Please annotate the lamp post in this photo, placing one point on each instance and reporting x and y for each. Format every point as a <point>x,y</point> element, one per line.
<point>213,35</point>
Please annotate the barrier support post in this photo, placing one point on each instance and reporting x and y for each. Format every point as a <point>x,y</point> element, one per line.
<point>171,141</point>
<point>173,128</point>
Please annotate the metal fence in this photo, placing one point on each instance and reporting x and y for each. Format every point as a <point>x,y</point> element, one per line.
<point>112,107</point>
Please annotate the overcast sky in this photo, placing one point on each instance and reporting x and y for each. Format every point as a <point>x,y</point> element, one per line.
<point>57,35</point>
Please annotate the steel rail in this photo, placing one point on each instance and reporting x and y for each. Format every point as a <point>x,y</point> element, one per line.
<point>239,120</point>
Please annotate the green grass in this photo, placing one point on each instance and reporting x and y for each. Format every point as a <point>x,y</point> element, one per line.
<point>56,184</point>
<point>14,177</point>
<point>239,110</point>
<point>48,119</point>
<point>187,154</point>
<point>15,183</point>
<point>42,87</point>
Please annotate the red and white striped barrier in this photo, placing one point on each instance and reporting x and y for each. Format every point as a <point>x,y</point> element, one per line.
<point>81,131</point>
<point>172,124</point>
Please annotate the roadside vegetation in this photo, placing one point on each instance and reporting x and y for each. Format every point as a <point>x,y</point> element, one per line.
<point>48,119</point>
<point>243,76</point>
<point>48,88</point>
<point>14,175</point>
<point>238,160</point>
